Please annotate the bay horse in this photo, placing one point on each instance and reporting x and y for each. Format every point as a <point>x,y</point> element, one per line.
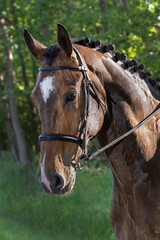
<point>85,89</point>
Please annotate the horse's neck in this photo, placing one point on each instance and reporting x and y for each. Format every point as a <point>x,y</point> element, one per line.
<point>135,160</point>
<point>134,102</point>
<point>128,87</point>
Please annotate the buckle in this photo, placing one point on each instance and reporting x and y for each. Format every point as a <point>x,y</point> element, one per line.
<point>83,68</point>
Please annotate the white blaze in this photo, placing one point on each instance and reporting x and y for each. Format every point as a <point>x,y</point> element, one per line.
<point>43,174</point>
<point>47,86</point>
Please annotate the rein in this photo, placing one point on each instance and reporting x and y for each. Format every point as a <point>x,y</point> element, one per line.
<point>88,88</point>
<point>117,140</point>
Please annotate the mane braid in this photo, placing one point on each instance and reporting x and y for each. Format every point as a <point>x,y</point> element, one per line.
<point>130,65</point>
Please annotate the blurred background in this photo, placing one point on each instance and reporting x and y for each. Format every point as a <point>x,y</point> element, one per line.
<point>26,212</point>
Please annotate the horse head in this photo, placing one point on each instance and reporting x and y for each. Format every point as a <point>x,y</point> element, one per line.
<point>59,98</point>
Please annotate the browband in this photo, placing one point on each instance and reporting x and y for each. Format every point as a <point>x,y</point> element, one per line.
<point>74,68</point>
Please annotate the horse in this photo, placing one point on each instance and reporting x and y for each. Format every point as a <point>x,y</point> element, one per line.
<point>84,89</point>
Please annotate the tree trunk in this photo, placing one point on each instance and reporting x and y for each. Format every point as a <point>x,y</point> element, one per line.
<point>45,31</point>
<point>22,150</point>
<point>8,123</point>
<point>9,129</point>
<point>115,2</point>
<point>34,125</point>
<point>125,3</point>
<point>103,10</point>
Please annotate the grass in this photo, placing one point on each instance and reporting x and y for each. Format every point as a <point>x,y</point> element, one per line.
<point>27,213</point>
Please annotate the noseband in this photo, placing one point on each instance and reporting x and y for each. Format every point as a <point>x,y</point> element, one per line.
<point>88,88</point>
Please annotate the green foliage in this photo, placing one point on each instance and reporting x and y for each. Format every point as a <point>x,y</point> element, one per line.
<point>27,212</point>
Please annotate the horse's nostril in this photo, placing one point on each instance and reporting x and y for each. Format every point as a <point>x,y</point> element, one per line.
<point>57,182</point>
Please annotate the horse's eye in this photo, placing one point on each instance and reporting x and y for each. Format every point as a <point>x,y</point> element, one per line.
<point>70,97</point>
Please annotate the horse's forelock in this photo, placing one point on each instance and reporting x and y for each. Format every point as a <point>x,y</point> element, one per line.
<point>52,52</point>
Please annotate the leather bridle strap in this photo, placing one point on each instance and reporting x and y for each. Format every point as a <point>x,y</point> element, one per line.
<point>118,140</point>
<point>60,137</point>
<point>73,68</point>
<point>122,137</point>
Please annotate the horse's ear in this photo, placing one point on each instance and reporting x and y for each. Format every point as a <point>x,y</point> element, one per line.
<point>64,40</point>
<point>36,48</point>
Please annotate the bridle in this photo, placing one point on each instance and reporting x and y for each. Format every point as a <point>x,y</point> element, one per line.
<point>88,89</point>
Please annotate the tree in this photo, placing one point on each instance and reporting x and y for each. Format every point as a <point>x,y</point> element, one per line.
<point>22,150</point>
<point>103,10</point>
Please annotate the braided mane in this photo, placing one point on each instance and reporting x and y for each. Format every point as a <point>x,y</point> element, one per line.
<point>131,65</point>
<point>127,64</point>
